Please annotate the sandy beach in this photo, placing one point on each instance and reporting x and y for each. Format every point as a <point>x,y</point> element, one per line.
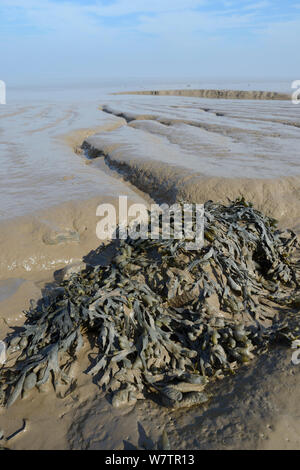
<point>154,147</point>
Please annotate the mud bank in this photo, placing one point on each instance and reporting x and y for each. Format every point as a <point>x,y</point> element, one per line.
<point>214,94</point>
<point>186,149</point>
<point>167,183</point>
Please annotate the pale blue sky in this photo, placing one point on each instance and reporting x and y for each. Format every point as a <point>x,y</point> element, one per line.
<point>44,40</point>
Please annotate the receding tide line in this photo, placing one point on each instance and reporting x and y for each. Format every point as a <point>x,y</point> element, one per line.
<point>222,94</point>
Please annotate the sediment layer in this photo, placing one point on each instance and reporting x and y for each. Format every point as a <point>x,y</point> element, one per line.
<point>222,94</point>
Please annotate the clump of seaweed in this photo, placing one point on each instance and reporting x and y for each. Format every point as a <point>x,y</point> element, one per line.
<point>166,319</point>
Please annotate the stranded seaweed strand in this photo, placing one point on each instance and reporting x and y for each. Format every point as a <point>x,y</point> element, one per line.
<point>167,320</point>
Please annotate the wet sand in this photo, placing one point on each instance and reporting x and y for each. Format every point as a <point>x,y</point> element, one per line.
<point>162,149</point>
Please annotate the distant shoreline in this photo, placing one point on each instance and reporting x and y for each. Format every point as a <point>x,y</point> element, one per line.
<point>220,94</point>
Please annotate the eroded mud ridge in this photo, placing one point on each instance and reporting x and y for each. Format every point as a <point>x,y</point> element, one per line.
<point>224,94</point>
<point>167,148</point>
<point>177,148</point>
<point>165,320</point>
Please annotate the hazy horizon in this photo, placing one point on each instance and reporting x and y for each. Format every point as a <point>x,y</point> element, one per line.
<point>54,41</point>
